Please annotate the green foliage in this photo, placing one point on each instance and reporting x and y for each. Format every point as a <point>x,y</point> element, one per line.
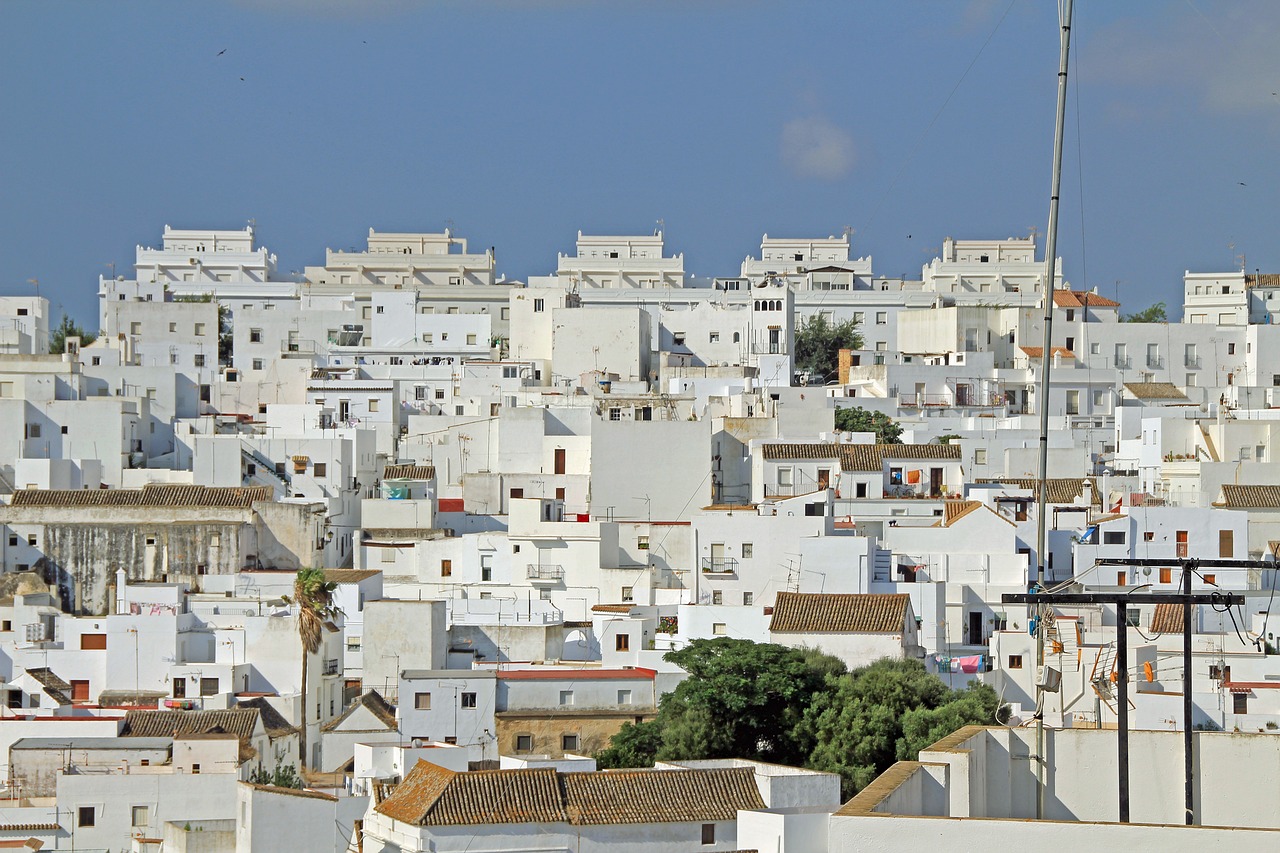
<point>635,745</point>
<point>1153,314</point>
<point>799,707</point>
<point>818,344</point>
<point>948,438</point>
<point>858,419</point>
<point>284,776</point>
<point>68,328</point>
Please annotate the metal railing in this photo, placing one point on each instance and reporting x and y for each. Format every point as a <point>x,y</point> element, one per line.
<point>331,667</point>
<point>545,572</point>
<point>719,565</point>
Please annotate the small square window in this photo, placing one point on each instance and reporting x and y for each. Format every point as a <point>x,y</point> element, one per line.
<point>748,550</point>
<point>624,697</point>
<point>747,599</point>
<point>717,596</point>
<point>568,743</point>
<point>140,815</point>
<point>1015,661</point>
<point>446,568</point>
<point>524,743</point>
<point>566,697</point>
<point>422,701</point>
<point>621,643</point>
<point>86,816</point>
<point>708,833</point>
<point>718,629</point>
<point>468,700</point>
<point>628,594</point>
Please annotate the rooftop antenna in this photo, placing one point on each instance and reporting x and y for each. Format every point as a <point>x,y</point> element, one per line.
<point>662,223</point>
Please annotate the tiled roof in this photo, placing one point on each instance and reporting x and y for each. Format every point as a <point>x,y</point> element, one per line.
<point>1245,497</point>
<point>54,687</point>
<point>1079,298</point>
<point>953,511</point>
<point>870,457</point>
<point>804,612</point>
<point>1154,391</point>
<point>272,720</point>
<point>377,706</point>
<point>1167,619</point>
<point>147,496</point>
<point>29,827</point>
<point>612,608</point>
<point>350,575</point>
<point>241,722</point>
<point>660,796</point>
<point>799,451</point>
<point>409,472</point>
<point>1037,352</point>
<point>292,792</point>
<point>1266,279</point>
<point>1060,490</point>
<point>434,796</point>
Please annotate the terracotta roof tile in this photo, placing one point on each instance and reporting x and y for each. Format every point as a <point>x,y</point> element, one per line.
<point>871,457</point>
<point>799,451</point>
<point>1244,497</point>
<point>660,796</point>
<point>1061,490</point>
<point>1079,298</point>
<point>1266,279</point>
<point>272,720</point>
<point>147,496</point>
<point>241,722</point>
<point>383,712</point>
<point>612,608</point>
<point>1037,352</point>
<point>292,792</point>
<point>1167,619</point>
<point>953,511</point>
<point>350,575</point>
<point>1155,391</point>
<point>802,612</point>
<point>434,796</point>
<point>409,472</point>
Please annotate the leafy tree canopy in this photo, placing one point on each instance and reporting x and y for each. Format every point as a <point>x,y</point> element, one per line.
<point>858,419</point>
<point>800,707</point>
<point>1152,314</point>
<point>818,344</point>
<point>68,328</point>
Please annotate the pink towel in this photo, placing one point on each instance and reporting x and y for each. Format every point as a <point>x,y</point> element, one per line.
<point>970,664</point>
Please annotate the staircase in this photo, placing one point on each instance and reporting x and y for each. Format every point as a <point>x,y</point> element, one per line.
<point>265,468</point>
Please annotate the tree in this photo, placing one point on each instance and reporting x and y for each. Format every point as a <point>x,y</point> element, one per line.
<point>635,745</point>
<point>858,419</point>
<point>284,776</point>
<point>818,344</point>
<point>886,712</point>
<point>1152,314</point>
<point>313,598</point>
<point>68,328</point>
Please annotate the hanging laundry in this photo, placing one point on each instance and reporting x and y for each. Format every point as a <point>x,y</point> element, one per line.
<point>913,477</point>
<point>970,664</point>
<point>955,664</point>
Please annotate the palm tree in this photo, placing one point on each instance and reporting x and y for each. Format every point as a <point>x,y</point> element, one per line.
<point>313,597</point>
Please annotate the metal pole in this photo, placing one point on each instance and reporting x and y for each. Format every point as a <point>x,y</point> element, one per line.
<point>1188,755</point>
<point>1046,359</point>
<point>1122,706</point>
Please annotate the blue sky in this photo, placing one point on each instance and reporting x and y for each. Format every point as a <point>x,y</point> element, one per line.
<point>522,122</point>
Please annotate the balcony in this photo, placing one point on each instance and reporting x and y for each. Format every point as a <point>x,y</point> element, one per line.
<point>1192,362</point>
<point>719,566</point>
<point>1155,362</point>
<point>1123,362</point>
<point>545,573</point>
<point>296,347</point>
<point>972,399</point>
<point>331,667</point>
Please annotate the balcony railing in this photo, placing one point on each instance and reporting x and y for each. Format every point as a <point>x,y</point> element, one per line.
<point>545,572</point>
<point>945,401</point>
<point>719,565</point>
<point>299,347</point>
<point>1155,362</point>
<point>331,667</point>
<point>1193,362</point>
<point>1123,362</point>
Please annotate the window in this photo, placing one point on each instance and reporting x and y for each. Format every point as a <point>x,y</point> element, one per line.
<point>199,330</point>
<point>1015,661</point>
<point>93,642</point>
<point>318,469</point>
<point>524,743</point>
<point>388,555</point>
<point>717,596</point>
<point>718,629</point>
<point>748,550</point>
<point>255,336</point>
<point>708,833</point>
<point>537,306</point>
<point>33,430</point>
<point>1122,578</point>
<point>677,338</point>
<point>1231,349</point>
<point>440,394</point>
<point>1211,580</point>
<point>134,328</point>
<point>615,414</point>
<point>624,697</point>
<point>257,364</point>
<point>373,404</point>
<point>198,359</point>
<point>140,815</point>
<point>468,700</point>
<point>1239,703</point>
<point>1073,402</point>
<point>208,687</point>
<point>422,701</point>
<point>471,340</point>
<point>566,697</point>
<point>642,542</point>
<point>80,690</point>
<point>628,594</point>
<point>621,643</point>
<point>31,539</point>
<point>713,337</point>
<point>85,816</point>
<point>1071,315</point>
<point>1166,574</point>
<point>13,540</point>
<point>568,743</point>
<point>882,318</point>
<point>1226,544</point>
<point>747,599</point>
<point>784,476</point>
<point>446,568</point>
<point>1113,537</point>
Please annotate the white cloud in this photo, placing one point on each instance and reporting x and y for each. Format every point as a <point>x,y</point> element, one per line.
<point>814,147</point>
